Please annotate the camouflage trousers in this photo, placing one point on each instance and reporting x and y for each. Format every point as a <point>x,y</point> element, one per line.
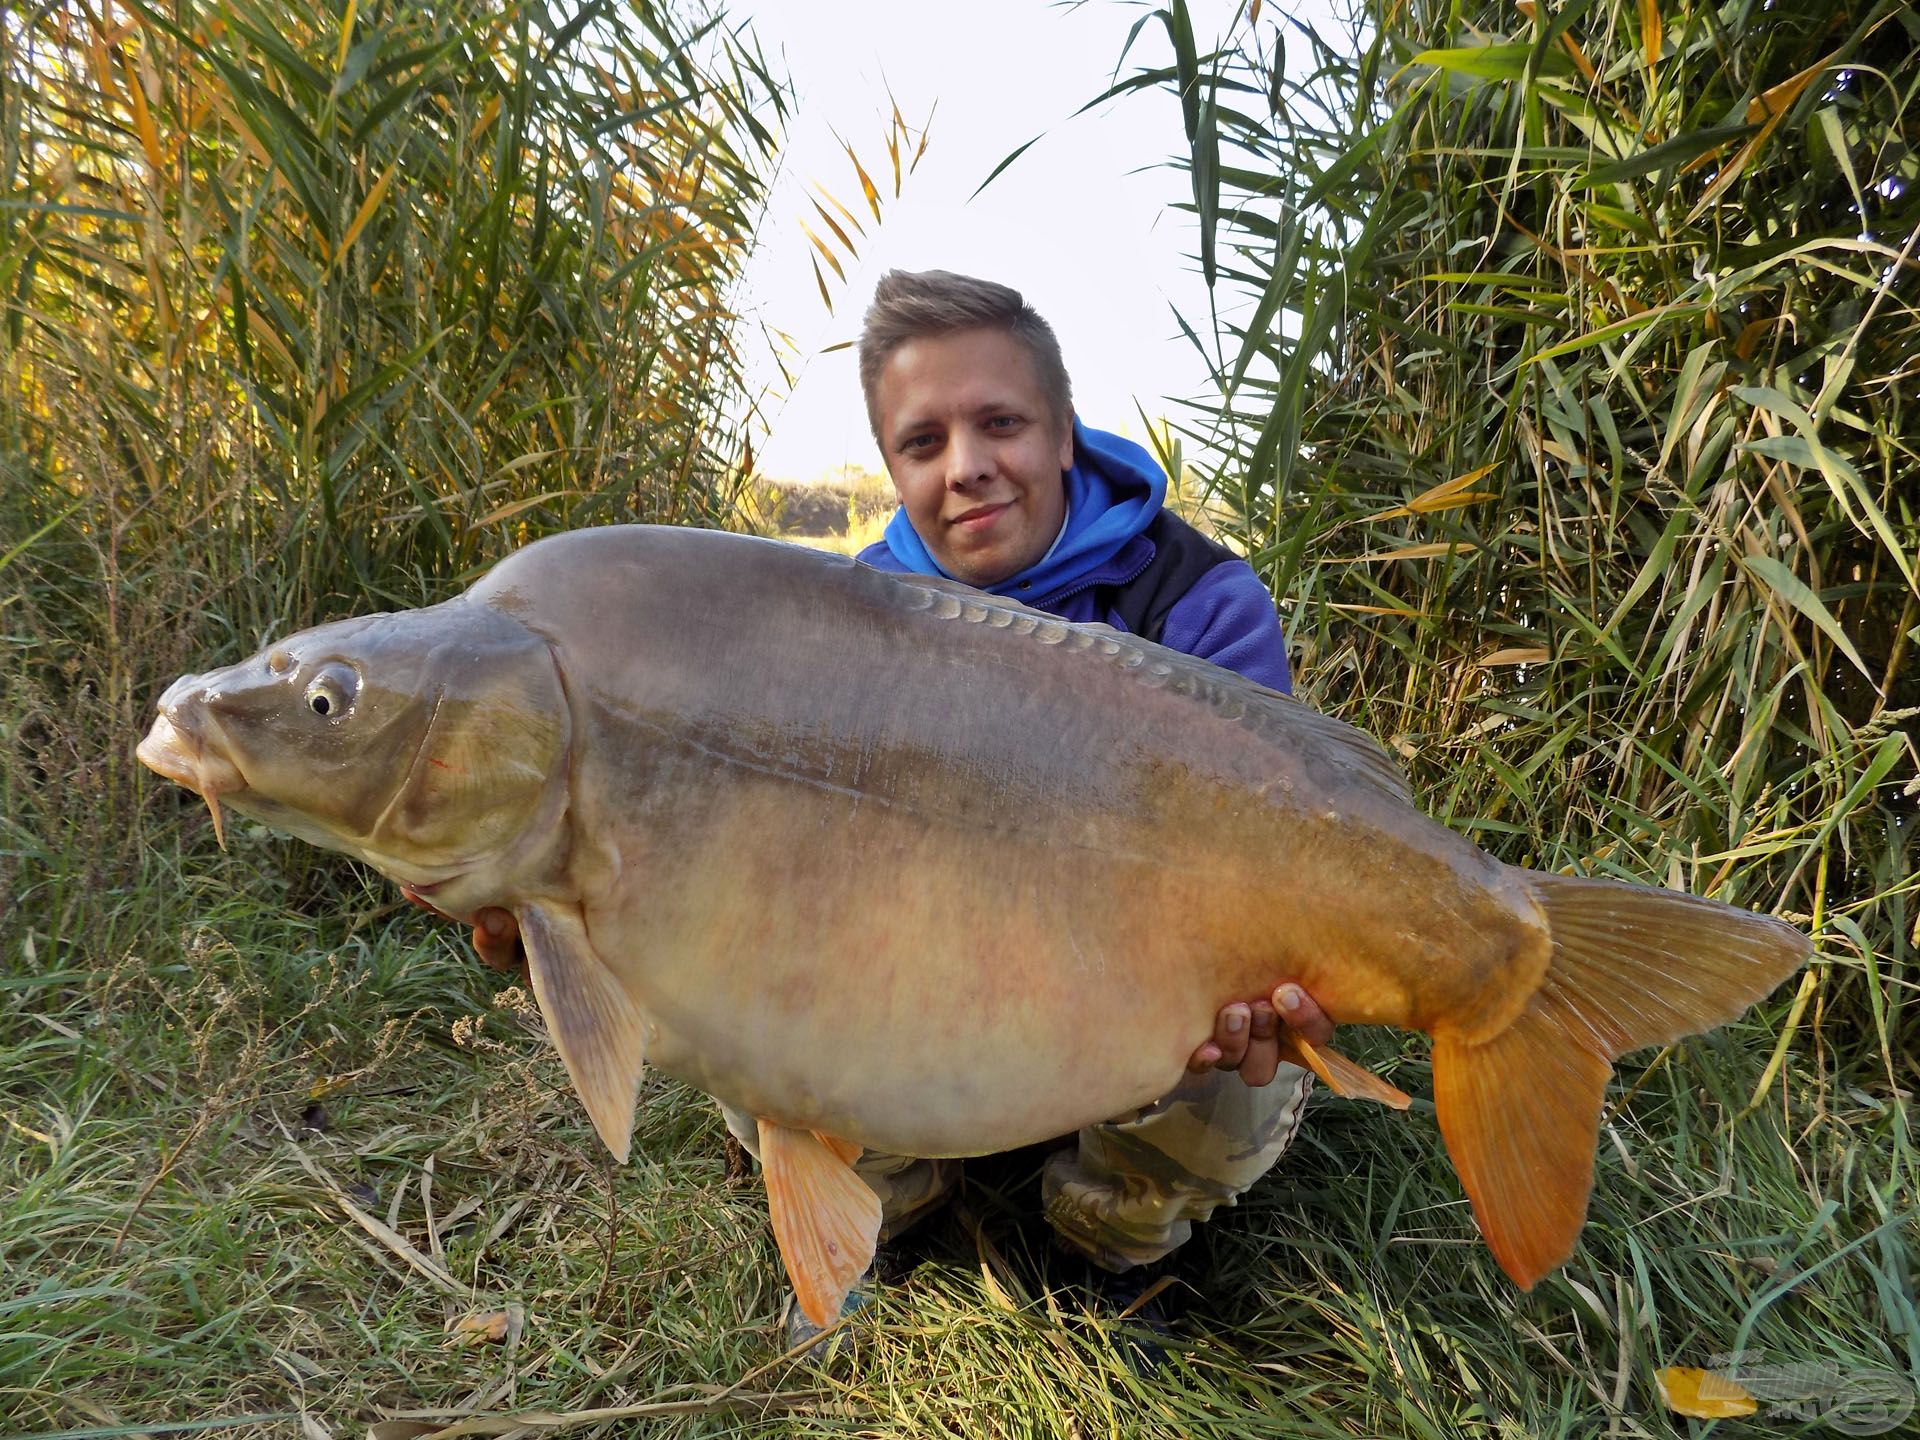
<point>1129,1192</point>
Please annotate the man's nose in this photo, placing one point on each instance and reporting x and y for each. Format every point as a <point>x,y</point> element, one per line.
<point>968,461</point>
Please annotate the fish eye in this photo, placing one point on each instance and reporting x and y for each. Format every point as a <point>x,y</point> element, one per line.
<point>331,692</point>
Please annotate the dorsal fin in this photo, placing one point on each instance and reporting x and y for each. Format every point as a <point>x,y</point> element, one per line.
<point>1332,744</point>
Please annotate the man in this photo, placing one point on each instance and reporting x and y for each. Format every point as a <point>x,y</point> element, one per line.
<point>1002,488</point>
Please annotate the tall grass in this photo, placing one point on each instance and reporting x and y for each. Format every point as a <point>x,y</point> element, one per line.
<point>1565,373</point>
<point>302,310</point>
<point>1564,370</point>
<point>310,309</point>
<point>1564,383</point>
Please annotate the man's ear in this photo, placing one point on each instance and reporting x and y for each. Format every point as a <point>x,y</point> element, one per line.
<point>1066,443</point>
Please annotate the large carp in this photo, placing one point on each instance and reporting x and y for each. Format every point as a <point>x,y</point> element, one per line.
<point>887,862</point>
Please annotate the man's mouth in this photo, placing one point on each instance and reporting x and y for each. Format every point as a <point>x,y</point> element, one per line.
<point>980,516</point>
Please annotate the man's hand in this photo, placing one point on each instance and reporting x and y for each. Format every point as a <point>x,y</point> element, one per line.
<point>496,935</point>
<point>1245,1037</point>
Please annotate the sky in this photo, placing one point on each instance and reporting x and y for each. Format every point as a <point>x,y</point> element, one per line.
<point>1080,224</point>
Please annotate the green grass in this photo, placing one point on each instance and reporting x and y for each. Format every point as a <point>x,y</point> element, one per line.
<point>192,1106</point>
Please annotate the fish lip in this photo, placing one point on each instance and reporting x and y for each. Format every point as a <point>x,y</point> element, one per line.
<point>170,752</point>
<point>181,754</point>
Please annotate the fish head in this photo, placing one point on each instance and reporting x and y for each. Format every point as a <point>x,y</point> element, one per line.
<point>430,743</point>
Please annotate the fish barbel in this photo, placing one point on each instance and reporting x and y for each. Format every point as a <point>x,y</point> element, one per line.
<point>886,862</point>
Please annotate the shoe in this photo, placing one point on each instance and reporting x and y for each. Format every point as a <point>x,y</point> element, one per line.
<point>1134,1306</point>
<point>799,1329</point>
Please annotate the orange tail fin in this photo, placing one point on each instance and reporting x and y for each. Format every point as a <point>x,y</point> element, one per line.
<point>1631,966</point>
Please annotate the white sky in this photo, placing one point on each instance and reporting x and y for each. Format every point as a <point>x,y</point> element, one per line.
<point>1079,224</point>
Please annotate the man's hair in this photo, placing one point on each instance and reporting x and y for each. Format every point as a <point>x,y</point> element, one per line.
<point>914,305</point>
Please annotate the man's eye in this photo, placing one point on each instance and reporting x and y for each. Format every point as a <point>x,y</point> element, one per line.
<point>1004,422</point>
<point>919,443</point>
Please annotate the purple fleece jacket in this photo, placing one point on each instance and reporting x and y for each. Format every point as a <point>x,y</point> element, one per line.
<point>1227,617</point>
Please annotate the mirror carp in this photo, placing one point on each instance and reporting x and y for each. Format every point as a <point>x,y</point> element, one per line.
<point>887,862</point>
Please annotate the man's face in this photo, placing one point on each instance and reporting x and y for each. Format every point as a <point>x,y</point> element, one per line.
<point>976,453</point>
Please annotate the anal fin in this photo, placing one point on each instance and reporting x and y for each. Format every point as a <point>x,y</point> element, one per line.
<point>1340,1074</point>
<point>825,1217</point>
<point>596,1025</point>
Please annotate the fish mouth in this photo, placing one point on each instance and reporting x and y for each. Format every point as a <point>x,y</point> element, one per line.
<point>182,756</point>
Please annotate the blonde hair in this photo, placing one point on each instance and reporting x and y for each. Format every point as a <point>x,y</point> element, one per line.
<point>913,305</point>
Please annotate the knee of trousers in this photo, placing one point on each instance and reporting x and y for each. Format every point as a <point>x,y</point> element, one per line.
<point>1131,1187</point>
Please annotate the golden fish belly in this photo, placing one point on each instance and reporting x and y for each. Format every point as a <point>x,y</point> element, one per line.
<point>891,975</point>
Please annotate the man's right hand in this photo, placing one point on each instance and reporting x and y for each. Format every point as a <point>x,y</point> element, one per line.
<point>496,934</point>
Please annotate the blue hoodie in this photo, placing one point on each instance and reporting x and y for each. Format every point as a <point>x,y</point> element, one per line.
<point>1114,490</point>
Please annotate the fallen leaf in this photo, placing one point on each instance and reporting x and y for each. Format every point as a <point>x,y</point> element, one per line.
<point>1703,1394</point>
<point>402,1429</point>
<point>487,1327</point>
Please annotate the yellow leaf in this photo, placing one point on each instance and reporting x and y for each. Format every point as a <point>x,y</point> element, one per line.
<point>514,507</point>
<point>1703,1394</point>
<point>102,68</point>
<point>346,37</point>
<point>867,186</point>
<point>1397,610</point>
<point>893,149</point>
<point>834,201</point>
<point>1444,496</point>
<point>489,1327</point>
<point>488,114</point>
<point>261,329</point>
<point>1770,103</point>
<point>1409,552</point>
<point>1519,655</point>
<point>1650,31</point>
<point>822,247</point>
<point>1770,108</point>
<point>143,119</point>
<point>367,207</point>
<point>826,298</point>
<point>834,226</point>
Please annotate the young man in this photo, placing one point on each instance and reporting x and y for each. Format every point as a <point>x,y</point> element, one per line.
<point>1002,488</point>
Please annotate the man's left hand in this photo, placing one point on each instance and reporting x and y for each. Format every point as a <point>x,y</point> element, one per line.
<point>1246,1037</point>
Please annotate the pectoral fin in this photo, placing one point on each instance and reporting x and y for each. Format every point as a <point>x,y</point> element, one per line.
<point>597,1027</point>
<point>826,1218</point>
<point>1340,1074</point>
